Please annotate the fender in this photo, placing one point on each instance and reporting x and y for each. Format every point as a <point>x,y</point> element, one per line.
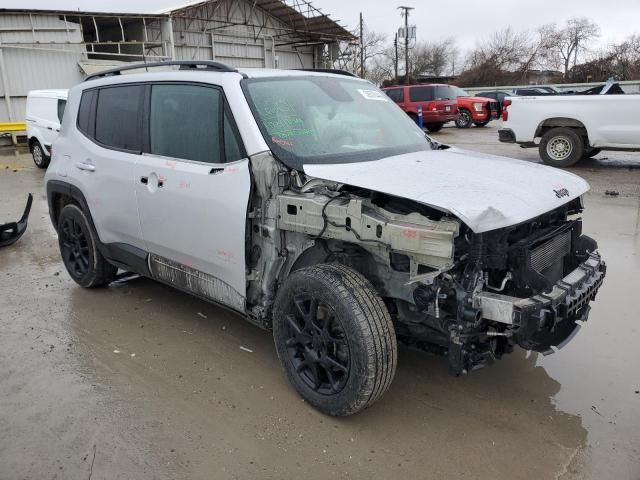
<point>124,256</point>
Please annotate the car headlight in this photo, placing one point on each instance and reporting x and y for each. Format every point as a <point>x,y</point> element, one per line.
<point>477,106</point>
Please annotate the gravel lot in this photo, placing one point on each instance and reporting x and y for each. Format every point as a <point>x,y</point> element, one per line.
<point>141,381</point>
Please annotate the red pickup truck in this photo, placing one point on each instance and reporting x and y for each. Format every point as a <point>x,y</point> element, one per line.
<point>475,110</point>
<point>438,102</point>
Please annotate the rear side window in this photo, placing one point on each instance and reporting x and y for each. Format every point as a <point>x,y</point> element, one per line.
<point>118,117</point>
<point>445,93</point>
<point>87,104</point>
<point>61,106</point>
<point>396,94</point>
<point>421,94</point>
<point>192,122</point>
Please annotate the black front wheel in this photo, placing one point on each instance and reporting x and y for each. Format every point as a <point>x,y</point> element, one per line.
<point>464,119</point>
<point>78,247</point>
<point>335,338</point>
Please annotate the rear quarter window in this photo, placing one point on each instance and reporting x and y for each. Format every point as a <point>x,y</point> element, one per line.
<point>61,106</point>
<point>421,94</point>
<point>395,94</point>
<point>87,105</point>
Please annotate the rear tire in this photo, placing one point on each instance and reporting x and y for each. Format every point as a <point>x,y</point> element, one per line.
<point>434,127</point>
<point>79,250</point>
<point>561,147</point>
<point>335,338</point>
<point>40,158</point>
<point>464,119</point>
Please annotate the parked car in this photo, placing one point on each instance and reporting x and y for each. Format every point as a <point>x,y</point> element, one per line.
<point>533,91</point>
<point>567,128</point>
<point>44,115</point>
<point>478,111</point>
<point>498,96</point>
<point>438,103</point>
<point>314,207</point>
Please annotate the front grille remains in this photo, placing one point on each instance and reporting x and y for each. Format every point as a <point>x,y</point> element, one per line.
<point>551,254</point>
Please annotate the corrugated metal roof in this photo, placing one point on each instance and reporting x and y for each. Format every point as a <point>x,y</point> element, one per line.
<point>76,13</point>
<point>300,15</point>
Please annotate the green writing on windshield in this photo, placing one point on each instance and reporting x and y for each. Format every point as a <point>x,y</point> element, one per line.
<point>281,119</point>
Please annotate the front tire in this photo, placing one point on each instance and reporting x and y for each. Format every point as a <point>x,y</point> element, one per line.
<point>561,147</point>
<point>79,250</point>
<point>464,119</point>
<point>434,127</point>
<point>335,338</point>
<point>40,158</point>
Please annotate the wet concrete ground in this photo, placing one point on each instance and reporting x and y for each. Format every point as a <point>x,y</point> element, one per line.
<point>140,381</point>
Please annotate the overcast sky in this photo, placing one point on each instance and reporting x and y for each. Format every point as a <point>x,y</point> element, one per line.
<point>466,20</point>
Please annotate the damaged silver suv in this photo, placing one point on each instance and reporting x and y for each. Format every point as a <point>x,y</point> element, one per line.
<point>309,203</point>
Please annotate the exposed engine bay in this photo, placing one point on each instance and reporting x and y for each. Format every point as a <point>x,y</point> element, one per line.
<point>469,296</point>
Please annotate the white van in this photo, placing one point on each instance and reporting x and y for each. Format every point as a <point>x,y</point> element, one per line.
<point>44,115</point>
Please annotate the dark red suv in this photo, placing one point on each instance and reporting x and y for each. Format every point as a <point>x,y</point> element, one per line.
<point>438,102</point>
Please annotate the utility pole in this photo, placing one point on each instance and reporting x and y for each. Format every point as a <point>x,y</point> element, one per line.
<point>395,59</point>
<point>361,47</point>
<point>406,11</point>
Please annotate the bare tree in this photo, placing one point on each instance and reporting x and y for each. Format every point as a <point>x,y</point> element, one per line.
<point>432,58</point>
<point>572,40</point>
<point>349,53</point>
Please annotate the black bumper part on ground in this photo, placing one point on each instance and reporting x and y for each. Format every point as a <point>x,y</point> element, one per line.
<point>548,320</point>
<point>506,135</point>
<point>11,232</point>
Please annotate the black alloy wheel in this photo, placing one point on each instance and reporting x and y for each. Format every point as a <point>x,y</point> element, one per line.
<point>74,247</point>
<point>317,345</point>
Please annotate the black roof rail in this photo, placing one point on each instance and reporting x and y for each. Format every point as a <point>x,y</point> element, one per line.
<point>184,65</point>
<point>328,70</point>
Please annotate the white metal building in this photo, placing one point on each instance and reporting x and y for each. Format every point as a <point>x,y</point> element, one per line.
<point>41,49</point>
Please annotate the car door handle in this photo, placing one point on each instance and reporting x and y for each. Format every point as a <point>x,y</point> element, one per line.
<point>85,166</point>
<point>215,171</point>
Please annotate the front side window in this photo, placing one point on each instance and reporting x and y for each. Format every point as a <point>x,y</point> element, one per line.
<point>118,117</point>
<point>317,119</point>
<point>189,121</point>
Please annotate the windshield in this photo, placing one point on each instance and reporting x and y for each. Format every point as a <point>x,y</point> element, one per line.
<point>460,92</point>
<point>314,119</point>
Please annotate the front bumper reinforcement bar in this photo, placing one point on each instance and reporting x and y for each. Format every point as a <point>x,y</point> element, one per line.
<point>548,320</point>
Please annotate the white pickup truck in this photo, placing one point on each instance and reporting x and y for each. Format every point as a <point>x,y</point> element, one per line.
<point>571,127</point>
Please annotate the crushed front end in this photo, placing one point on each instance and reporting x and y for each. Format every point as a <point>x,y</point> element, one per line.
<point>528,285</point>
<point>468,296</point>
